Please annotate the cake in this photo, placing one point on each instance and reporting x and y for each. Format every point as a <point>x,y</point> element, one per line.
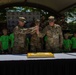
<point>40,54</point>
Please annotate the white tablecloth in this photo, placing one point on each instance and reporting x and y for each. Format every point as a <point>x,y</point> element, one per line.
<point>24,57</point>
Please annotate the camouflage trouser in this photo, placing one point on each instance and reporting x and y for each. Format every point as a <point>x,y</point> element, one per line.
<point>35,44</point>
<point>35,47</point>
<point>19,50</point>
<point>66,50</point>
<point>52,49</point>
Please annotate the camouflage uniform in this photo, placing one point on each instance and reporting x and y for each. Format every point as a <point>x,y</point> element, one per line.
<point>35,43</point>
<point>20,44</point>
<point>35,40</point>
<point>43,24</point>
<point>55,38</point>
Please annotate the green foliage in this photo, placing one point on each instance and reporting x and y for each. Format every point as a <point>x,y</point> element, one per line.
<point>21,9</point>
<point>72,26</point>
<point>71,19</point>
<point>71,14</point>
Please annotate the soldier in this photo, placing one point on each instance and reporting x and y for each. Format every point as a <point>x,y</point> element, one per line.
<point>35,40</point>
<point>63,23</point>
<point>54,35</point>
<point>43,23</point>
<point>20,44</point>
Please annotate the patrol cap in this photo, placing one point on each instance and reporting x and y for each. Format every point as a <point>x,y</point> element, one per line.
<point>22,19</point>
<point>51,18</point>
<point>37,21</point>
<point>66,35</point>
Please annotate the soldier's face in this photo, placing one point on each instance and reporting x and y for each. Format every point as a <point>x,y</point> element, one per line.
<point>21,23</point>
<point>75,35</point>
<point>5,32</point>
<point>51,23</point>
<point>43,18</point>
<point>66,37</point>
<point>37,23</point>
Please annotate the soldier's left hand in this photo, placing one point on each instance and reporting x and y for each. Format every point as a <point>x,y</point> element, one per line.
<point>37,27</point>
<point>60,46</point>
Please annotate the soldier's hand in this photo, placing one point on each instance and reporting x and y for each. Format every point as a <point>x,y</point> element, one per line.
<point>60,46</point>
<point>37,29</point>
<point>37,24</point>
<point>2,52</point>
<point>18,47</point>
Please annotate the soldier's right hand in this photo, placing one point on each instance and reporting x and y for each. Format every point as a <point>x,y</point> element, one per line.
<point>37,28</point>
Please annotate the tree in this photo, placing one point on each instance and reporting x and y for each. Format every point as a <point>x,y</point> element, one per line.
<point>71,19</point>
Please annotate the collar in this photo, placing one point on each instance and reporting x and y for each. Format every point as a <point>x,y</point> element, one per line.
<point>20,27</point>
<point>55,26</point>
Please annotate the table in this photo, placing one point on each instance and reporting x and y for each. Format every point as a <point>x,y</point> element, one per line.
<point>62,64</point>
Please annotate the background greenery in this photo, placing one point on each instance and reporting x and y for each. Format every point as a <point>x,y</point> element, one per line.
<point>70,15</point>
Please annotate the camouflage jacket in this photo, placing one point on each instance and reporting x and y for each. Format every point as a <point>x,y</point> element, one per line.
<point>54,35</point>
<point>20,35</point>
